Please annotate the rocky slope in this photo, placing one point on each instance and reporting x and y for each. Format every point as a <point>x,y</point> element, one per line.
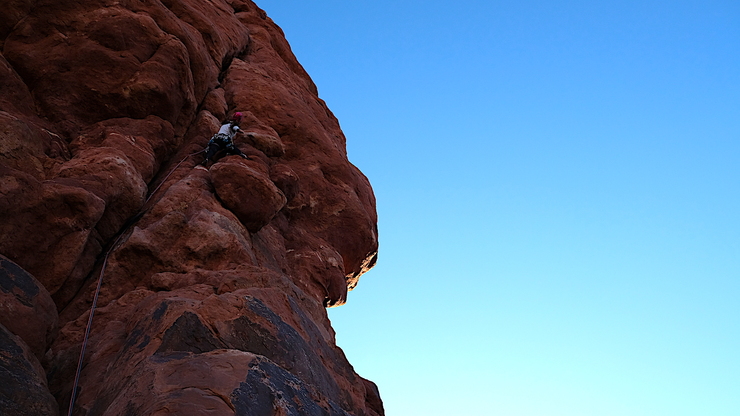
<point>215,280</point>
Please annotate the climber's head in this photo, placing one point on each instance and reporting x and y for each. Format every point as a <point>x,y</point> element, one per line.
<point>236,118</point>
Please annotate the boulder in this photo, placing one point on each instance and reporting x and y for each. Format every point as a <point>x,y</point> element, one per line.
<point>247,192</point>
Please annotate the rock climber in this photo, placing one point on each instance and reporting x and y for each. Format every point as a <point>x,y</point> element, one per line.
<point>224,140</point>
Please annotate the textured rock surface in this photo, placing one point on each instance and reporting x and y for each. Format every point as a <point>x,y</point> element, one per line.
<point>216,280</point>
<point>26,309</point>
<point>23,390</point>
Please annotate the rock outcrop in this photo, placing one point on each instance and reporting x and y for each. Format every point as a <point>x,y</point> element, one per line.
<point>214,280</point>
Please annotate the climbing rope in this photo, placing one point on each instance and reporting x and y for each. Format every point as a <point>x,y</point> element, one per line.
<point>168,175</point>
<point>87,329</point>
<point>100,283</point>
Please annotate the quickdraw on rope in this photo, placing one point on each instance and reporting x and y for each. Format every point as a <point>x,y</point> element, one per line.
<point>100,283</point>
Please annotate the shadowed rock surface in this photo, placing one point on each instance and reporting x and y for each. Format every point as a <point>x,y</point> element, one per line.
<point>23,390</point>
<point>216,280</point>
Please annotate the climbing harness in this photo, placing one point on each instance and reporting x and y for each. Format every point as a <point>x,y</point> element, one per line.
<point>100,283</point>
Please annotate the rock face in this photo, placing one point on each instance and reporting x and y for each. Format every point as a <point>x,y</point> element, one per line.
<point>214,281</point>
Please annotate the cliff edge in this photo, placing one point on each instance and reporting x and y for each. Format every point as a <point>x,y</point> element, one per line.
<point>215,279</point>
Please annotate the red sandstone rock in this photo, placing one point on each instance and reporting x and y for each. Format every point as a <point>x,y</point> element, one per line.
<point>247,192</point>
<point>216,280</point>
<point>48,227</point>
<point>26,308</point>
<point>23,390</point>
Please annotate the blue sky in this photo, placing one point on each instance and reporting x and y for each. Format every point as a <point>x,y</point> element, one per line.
<point>558,197</point>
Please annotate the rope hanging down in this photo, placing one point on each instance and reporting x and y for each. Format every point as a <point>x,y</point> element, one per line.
<point>100,283</point>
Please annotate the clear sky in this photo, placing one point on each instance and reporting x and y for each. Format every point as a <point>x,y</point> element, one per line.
<point>558,189</point>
